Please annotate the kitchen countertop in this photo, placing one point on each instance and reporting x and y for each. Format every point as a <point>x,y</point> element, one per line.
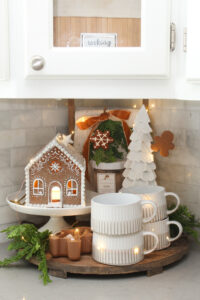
<point>180,281</point>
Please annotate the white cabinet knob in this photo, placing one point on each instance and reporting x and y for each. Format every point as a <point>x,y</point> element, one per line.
<point>37,63</point>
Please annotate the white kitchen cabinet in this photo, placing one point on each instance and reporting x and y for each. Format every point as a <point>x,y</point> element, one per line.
<point>193,41</point>
<point>46,60</point>
<point>4,36</point>
<point>149,60</point>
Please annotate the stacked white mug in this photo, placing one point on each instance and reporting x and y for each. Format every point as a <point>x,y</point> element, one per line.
<point>160,224</point>
<point>117,224</point>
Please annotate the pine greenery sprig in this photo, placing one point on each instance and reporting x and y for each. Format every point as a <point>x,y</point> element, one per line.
<point>113,153</point>
<point>28,242</point>
<point>188,220</point>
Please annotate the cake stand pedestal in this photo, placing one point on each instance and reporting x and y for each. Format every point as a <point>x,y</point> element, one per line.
<point>56,222</point>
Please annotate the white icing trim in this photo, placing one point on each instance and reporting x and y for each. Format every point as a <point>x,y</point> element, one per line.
<point>27,187</point>
<point>48,147</point>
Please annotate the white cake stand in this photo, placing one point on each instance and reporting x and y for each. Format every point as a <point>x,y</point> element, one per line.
<point>56,221</point>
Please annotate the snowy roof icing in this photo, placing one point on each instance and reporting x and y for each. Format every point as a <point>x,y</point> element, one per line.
<point>62,142</point>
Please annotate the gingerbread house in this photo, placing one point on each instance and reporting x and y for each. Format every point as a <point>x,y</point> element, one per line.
<point>55,177</point>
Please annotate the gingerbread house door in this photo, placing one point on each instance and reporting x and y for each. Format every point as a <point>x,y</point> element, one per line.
<point>55,194</point>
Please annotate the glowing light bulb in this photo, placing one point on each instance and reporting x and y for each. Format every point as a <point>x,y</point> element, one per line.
<point>136,250</point>
<point>152,105</point>
<point>100,247</point>
<point>134,106</point>
<point>167,238</point>
<point>15,200</point>
<point>82,119</point>
<point>72,132</point>
<point>76,234</point>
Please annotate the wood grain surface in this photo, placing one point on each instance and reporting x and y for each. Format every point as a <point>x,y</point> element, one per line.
<point>67,30</point>
<point>152,264</point>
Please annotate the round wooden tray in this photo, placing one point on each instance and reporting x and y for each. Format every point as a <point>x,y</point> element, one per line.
<point>152,264</point>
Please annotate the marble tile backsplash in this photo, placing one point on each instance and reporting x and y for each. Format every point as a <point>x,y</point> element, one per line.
<point>27,125</point>
<point>180,171</point>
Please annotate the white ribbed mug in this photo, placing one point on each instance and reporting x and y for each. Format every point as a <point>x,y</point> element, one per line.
<point>121,250</point>
<point>162,230</point>
<point>157,195</point>
<point>117,213</point>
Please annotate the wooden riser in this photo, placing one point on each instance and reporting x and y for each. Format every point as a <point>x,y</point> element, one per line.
<point>152,264</point>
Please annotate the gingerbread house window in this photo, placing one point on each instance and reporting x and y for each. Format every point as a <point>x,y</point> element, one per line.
<point>72,188</point>
<point>38,187</point>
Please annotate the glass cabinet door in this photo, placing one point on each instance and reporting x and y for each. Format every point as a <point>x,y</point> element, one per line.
<point>97,39</point>
<point>97,23</point>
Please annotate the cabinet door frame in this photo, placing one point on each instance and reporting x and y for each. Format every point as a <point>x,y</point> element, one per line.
<point>150,61</point>
<point>193,42</point>
<point>4,37</point>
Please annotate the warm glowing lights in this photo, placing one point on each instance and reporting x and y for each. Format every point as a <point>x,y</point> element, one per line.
<point>55,194</point>
<point>136,250</point>
<point>134,106</point>
<point>167,238</point>
<point>72,132</point>
<point>31,160</point>
<point>82,119</point>
<point>100,247</point>
<point>77,234</point>
<point>60,137</point>
<point>152,105</point>
<point>15,200</point>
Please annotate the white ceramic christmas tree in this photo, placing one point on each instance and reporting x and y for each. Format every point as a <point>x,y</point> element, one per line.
<point>140,166</point>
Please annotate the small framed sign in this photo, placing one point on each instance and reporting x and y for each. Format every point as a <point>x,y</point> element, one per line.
<point>99,40</point>
<point>106,183</point>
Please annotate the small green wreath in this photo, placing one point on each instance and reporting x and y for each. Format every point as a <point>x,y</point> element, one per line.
<point>116,149</point>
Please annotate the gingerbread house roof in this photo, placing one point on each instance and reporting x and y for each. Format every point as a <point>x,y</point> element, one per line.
<point>61,142</point>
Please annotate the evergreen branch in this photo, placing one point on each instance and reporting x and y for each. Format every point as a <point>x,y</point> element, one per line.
<point>29,242</point>
<point>187,220</point>
<point>15,258</point>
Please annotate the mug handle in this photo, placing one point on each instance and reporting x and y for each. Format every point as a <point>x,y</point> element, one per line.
<point>179,227</point>
<point>156,241</point>
<point>147,220</point>
<point>169,212</point>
